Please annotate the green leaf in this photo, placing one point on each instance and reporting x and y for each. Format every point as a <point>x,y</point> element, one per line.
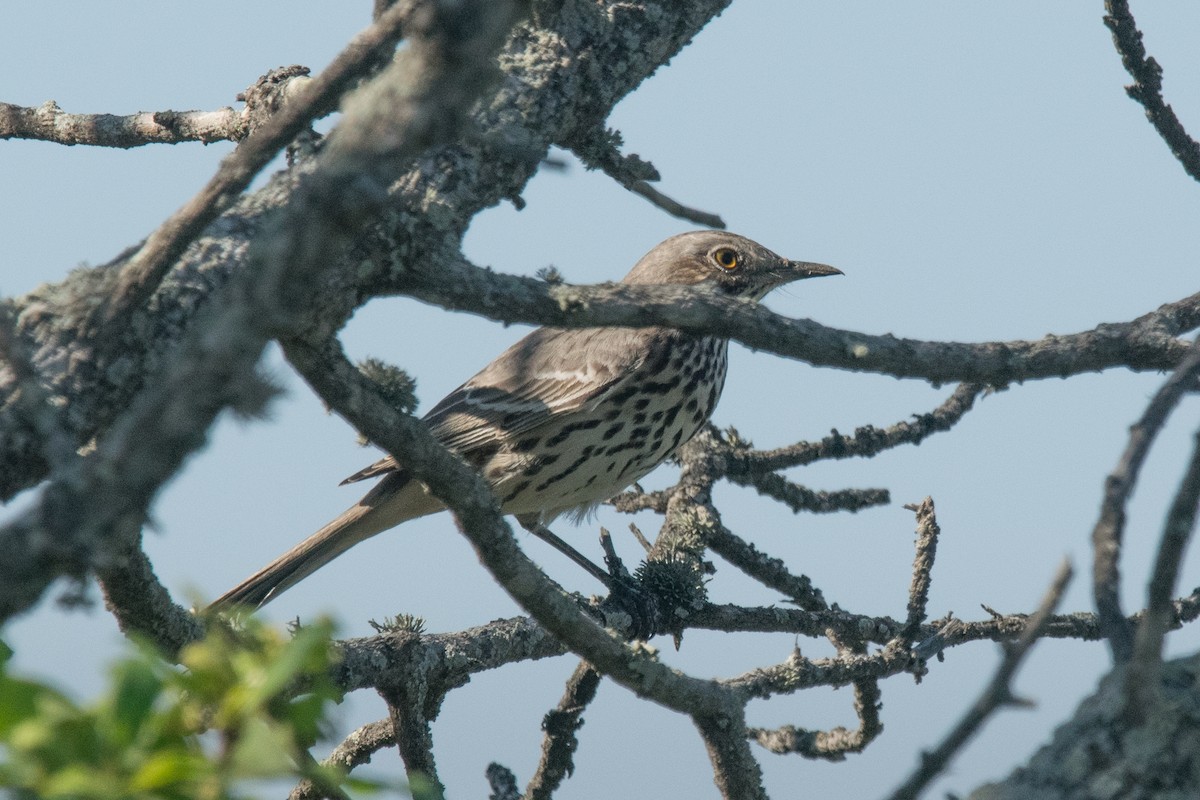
<point>263,751</point>
<point>138,686</point>
<point>168,769</point>
<point>19,700</point>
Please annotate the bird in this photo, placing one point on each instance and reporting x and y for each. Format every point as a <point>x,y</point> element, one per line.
<point>566,418</point>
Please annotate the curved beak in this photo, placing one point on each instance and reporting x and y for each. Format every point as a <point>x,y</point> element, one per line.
<point>809,269</point>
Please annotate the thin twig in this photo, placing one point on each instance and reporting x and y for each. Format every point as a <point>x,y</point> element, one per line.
<point>997,693</point>
<point>926,552</point>
<point>675,208</point>
<point>834,744</point>
<point>1107,535</point>
<point>800,498</point>
<point>865,442</point>
<point>1142,677</point>
<point>49,123</point>
<point>635,500</point>
<point>600,149</point>
<point>1147,86</point>
<point>769,571</point>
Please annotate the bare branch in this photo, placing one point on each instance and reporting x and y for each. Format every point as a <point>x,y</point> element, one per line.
<point>748,467</point>
<point>831,745</point>
<point>49,123</point>
<point>675,208</point>
<point>600,149</point>
<point>918,593</point>
<point>1106,536</point>
<point>141,604</point>
<point>997,693</point>
<point>738,776</point>
<point>560,726</point>
<point>30,404</point>
<point>141,274</point>
<point>766,569</point>
<point>864,442</point>
<point>489,168</point>
<point>834,744</point>
<point>355,750</point>
<point>502,782</point>
<point>447,660</point>
<point>1142,679</point>
<point>1147,342</point>
<point>97,508</point>
<point>693,496</point>
<point>411,708</point>
<point>636,499</point>
<point>94,508</point>
<point>800,498</point>
<point>1147,86</point>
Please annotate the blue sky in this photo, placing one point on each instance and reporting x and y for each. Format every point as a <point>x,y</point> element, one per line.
<point>977,172</point>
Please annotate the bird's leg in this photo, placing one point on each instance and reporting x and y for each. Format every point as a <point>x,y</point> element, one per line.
<point>625,593</point>
<point>538,529</point>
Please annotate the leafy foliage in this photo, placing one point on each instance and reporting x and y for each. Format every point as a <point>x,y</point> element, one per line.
<point>239,706</point>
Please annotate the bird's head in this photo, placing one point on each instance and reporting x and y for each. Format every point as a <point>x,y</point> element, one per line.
<point>732,264</point>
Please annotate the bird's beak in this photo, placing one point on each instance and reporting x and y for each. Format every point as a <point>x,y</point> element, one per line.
<point>808,269</point>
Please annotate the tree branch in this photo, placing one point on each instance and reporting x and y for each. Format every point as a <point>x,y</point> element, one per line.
<point>1106,536</point>
<point>49,123</point>
<point>1142,678</point>
<point>1147,86</point>
<point>560,726</point>
<point>550,88</point>
<point>355,750</point>
<point>96,509</point>
<point>600,149</point>
<point>141,274</point>
<point>997,693</point>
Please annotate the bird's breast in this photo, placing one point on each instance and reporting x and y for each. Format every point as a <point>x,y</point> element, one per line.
<point>582,458</point>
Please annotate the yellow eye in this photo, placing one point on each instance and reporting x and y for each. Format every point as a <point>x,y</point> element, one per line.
<point>726,258</point>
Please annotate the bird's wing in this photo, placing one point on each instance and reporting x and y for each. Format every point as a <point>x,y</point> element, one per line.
<point>551,372</point>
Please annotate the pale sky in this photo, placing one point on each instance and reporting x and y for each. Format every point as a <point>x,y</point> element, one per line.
<point>977,172</point>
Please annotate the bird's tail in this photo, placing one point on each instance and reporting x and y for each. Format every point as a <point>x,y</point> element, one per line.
<point>394,500</point>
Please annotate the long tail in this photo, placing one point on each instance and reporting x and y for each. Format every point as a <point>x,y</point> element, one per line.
<point>394,500</point>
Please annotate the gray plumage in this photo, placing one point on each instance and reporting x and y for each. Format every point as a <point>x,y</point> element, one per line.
<point>566,417</point>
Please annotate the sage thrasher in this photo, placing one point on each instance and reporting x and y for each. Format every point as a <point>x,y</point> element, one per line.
<point>567,417</point>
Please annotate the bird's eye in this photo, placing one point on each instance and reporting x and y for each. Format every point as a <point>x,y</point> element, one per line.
<point>726,258</point>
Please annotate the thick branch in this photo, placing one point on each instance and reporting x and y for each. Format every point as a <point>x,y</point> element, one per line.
<point>1145,343</point>
<point>550,89</point>
<point>737,775</point>
<point>95,510</point>
<point>141,274</point>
